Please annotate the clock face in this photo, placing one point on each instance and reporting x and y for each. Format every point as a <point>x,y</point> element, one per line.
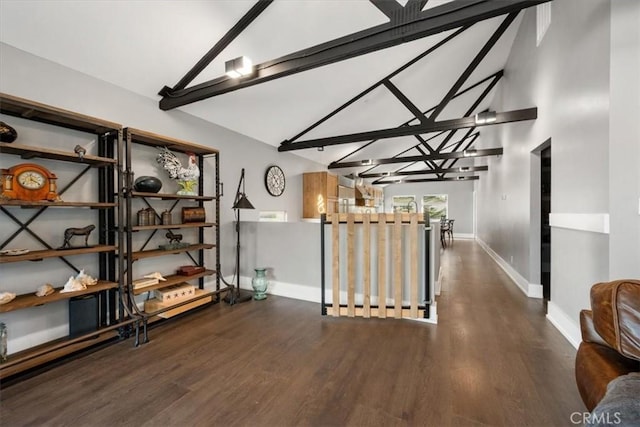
<point>31,179</point>
<point>274,180</point>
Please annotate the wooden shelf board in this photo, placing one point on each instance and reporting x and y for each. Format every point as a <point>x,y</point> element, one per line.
<point>154,140</point>
<point>172,226</point>
<point>167,196</point>
<point>159,252</point>
<point>31,300</point>
<point>201,297</point>
<point>172,280</point>
<point>42,203</point>
<point>29,152</point>
<point>31,110</point>
<point>51,253</point>
<point>22,361</point>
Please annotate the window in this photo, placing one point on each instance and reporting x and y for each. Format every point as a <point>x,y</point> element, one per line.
<point>404,204</point>
<point>437,205</point>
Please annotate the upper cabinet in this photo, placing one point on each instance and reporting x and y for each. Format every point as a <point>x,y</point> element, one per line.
<point>320,194</point>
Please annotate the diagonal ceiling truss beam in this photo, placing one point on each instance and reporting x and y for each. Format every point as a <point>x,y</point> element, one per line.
<point>467,140</point>
<point>391,8</point>
<point>431,21</point>
<point>410,159</point>
<point>461,123</point>
<point>377,84</point>
<point>494,77</point>
<point>234,32</point>
<point>473,65</point>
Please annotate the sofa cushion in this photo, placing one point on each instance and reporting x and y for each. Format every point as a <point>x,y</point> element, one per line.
<point>616,315</point>
<point>596,366</point>
<point>620,405</point>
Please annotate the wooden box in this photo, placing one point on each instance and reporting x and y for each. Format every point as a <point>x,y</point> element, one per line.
<point>154,305</point>
<point>193,215</point>
<point>175,293</point>
<point>189,270</point>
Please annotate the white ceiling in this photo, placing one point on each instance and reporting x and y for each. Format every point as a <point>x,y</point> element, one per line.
<point>145,45</point>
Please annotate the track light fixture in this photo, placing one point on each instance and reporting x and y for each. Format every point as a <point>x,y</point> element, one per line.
<point>485,117</point>
<point>238,67</point>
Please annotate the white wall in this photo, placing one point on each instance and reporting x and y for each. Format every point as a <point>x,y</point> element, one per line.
<point>624,141</point>
<point>31,77</point>
<point>584,80</point>
<point>460,199</point>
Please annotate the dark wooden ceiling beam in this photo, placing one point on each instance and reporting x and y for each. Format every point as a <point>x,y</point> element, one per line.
<point>405,101</point>
<point>409,159</point>
<point>407,181</point>
<point>234,32</point>
<point>431,21</point>
<point>425,172</point>
<point>391,8</point>
<point>461,123</point>
<point>378,84</point>
<point>473,65</point>
<point>496,76</point>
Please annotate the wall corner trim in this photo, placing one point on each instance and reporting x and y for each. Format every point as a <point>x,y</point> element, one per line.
<point>564,323</point>
<point>593,222</point>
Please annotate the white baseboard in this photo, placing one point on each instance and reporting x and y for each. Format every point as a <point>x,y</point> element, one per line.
<point>284,289</point>
<point>564,323</point>
<point>312,294</point>
<point>24,342</point>
<point>463,236</point>
<point>531,290</point>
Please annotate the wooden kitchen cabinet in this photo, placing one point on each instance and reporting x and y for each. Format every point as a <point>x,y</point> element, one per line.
<point>320,194</point>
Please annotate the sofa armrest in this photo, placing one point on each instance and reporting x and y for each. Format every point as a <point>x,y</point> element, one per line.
<point>588,330</point>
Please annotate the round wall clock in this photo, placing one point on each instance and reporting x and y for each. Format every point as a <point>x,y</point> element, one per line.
<point>30,182</point>
<point>274,180</point>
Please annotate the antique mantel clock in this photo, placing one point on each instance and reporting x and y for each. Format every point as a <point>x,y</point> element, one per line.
<point>29,182</point>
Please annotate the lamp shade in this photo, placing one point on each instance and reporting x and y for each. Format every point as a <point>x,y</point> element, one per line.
<point>242,202</point>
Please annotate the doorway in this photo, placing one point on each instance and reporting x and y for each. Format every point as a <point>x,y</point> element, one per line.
<point>545,229</point>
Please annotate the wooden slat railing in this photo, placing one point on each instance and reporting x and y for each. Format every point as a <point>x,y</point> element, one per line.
<point>388,244</point>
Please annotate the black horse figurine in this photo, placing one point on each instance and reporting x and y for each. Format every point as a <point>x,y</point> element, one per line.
<point>70,232</point>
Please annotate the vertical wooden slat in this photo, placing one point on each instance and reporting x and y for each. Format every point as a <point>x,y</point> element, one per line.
<point>397,265</point>
<point>382,266</point>
<point>366,265</point>
<point>335,238</point>
<point>413,241</point>
<point>351,266</point>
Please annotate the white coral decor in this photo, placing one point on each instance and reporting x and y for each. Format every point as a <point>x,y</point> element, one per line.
<point>85,279</point>
<point>72,285</point>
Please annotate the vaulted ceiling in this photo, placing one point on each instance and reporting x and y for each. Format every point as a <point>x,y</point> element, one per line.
<point>400,112</point>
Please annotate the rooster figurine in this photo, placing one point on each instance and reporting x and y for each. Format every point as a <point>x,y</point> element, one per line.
<point>187,178</point>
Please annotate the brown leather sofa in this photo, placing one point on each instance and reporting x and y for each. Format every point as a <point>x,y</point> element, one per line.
<point>610,338</point>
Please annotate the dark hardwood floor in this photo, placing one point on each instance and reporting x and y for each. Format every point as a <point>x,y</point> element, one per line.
<point>493,359</point>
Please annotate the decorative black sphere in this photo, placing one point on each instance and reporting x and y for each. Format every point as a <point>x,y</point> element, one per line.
<point>7,133</point>
<point>147,184</point>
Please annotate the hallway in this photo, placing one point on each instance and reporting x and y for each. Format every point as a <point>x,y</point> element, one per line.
<point>493,360</point>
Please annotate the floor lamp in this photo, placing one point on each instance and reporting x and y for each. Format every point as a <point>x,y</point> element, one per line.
<point>240,202</point>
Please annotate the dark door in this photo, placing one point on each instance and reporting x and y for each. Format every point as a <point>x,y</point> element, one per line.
<point>545,233</point>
